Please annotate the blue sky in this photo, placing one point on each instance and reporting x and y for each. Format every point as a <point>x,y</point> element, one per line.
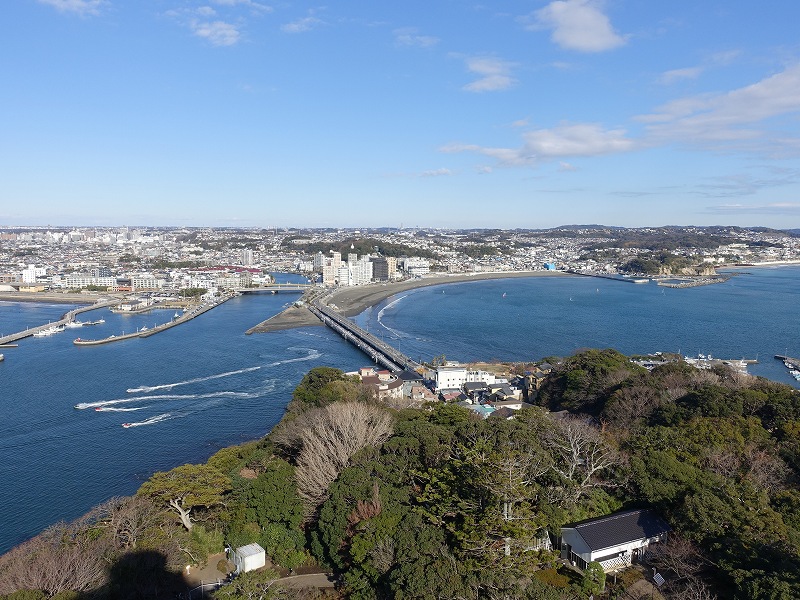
<point>373,113</point>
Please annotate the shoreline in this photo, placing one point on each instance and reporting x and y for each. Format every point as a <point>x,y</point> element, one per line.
<point>50,298</point>
<point>351,301</point>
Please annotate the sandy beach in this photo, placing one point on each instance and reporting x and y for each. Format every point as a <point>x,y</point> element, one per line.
<point>50,297</point>
<point>354,300</point>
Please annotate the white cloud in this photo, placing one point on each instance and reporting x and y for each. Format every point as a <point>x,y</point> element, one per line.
<point>746,184</point>
<point>80,7</point>
<point>565,166</point>
<point>669,77</point>
<point>775,208</point>
<point>725,57</point>
<point>301,25</point>
<point>541,145</point>
<point>495,74</point>
<point>219,33</point>
<point>719,59</point>
<point>206,11</point>
<point>578,25</point>
<point>437,173</point>
<point>408,37</point>
<point>247,3</point>
<point>730,116</point>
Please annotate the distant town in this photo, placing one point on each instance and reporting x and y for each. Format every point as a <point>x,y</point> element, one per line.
<point>128,259</point>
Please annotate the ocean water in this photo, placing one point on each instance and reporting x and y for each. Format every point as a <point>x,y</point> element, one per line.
<point>205,384</point>
<point>754,315</point>
<point>187,392</point>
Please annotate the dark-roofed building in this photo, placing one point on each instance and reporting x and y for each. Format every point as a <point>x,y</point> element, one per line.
<point>615,541</point>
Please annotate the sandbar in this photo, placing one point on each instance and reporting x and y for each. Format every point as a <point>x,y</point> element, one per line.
<point>355,300</point>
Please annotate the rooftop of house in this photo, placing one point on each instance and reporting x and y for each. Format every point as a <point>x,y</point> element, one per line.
<point>620,528</point>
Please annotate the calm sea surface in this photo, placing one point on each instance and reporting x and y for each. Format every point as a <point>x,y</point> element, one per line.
<point>205,384</point>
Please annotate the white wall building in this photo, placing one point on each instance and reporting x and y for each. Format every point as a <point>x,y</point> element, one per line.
<point>615,541</point>
<point>249,558</point>
<point>452,377</point>
<point>30,274</point>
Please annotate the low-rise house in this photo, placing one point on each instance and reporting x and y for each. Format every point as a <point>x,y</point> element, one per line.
<point>513,404</point>
<point>484,410</point>
<point>474,388</point>
<point>249,558</point>
<point>421,393</point>
<point>384,384</point>
<point>502,391</point>
<point>615,541</point>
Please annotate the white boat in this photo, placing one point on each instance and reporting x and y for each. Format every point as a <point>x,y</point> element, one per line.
<point>74,324</point>
<point>2,358</point>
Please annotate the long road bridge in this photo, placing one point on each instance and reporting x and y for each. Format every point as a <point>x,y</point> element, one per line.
<point>277,287</point>
<point>376,349</point>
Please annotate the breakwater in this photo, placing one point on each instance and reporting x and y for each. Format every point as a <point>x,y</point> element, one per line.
<point>65,319</point>
<point>190,314</point>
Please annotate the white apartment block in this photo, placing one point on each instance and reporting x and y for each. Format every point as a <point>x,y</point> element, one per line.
<point>30,274</point>
<point>234,281</point>
<point>146,282</point>
<point>415,265</point>
<point>82,280</point>
<point>452,377</point>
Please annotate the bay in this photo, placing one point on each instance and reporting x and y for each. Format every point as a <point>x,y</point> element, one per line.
<point>753,315</point>
<point>205,384</point>
<point>188,391</point>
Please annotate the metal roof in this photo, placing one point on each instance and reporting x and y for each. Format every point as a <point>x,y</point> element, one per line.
<point>249,550</point>
<point>620,528</point>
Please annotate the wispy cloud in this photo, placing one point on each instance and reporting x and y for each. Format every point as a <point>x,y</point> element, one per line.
<point>495,74</point>
<point>719,59</point>
<point>408,36</point>
<point>221,24</point>
<point>302,25</point>
<point>79,7</point>
<point>747,184</point>
<point>248,3</point>
<point>775,208</point>
<point>437,173</point>
<point>541,145</point>
<point>218,33</point>
<point>734,116</point>
<point>577,25</point>
<point>670,77</point>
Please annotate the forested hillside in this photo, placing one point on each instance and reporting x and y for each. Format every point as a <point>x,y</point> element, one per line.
<point>437,503</point>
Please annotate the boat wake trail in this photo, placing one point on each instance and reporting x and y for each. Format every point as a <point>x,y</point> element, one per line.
<point>312,355</point>
<point>168,386</point>
<point>117,409</point>
<point>380,316</point>
<point>104,403</point>
<point>151,420</point>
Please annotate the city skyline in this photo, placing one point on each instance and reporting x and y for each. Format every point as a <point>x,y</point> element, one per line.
<point>237,113</point>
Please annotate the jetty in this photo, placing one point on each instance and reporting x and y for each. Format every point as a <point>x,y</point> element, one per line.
<point>69,317</point>
<point>622,278</point>
<point>187,316</point>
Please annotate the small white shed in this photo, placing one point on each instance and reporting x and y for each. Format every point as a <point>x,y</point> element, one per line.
<point>249,558</point>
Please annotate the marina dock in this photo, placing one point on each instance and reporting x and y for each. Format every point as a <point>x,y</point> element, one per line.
<point>190,314</point>
<point>68,317</point>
